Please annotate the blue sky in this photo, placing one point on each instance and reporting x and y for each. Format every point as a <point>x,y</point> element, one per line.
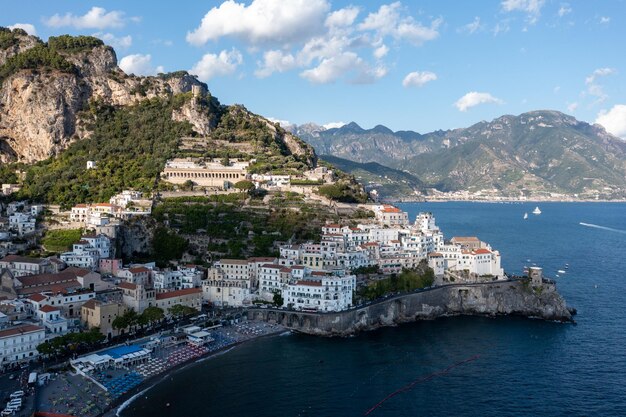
<point>419,65</point>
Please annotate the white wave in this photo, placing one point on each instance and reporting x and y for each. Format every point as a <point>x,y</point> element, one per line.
<point>595,226</point>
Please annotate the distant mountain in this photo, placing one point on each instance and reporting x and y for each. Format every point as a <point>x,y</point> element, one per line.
<point>538,151</point>
<point>388,182</point>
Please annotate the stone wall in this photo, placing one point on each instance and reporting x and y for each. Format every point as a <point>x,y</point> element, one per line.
<point>496,298</point>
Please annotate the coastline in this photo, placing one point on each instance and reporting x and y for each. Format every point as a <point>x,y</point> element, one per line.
<point>125,400</point>
<point>503,200</point>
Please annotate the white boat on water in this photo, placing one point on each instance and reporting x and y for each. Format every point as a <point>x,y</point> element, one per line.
<point>536,210</point>
<point>560,271</point>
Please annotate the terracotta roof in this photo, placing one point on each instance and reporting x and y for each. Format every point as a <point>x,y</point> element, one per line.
<point>91,304</point>
<point>333,225</point>
<point>127,285</point>
<point>261,259</point>
<point>465,239</point>
<point>319,273</point>
<point>234,261</point>
<point>178,293</point>
<point>390,209</point>
<point>370,244</point>
<point>48,308</point>
<point>297,267</point>
<point>27,328</point>
<point>285,269</point>
<point>47,279</point>
<point>482,252</point>
<point>23,259</point>
<point>435,255</point>
<point>310,283</point>
<point>138,270</point>
<point>80,206</point>
<point>62,287</point>
<point>273,266</point>
<point>38,297</point>
<point>79,272</point>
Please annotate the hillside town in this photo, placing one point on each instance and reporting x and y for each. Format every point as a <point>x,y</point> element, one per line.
<point>88,287</point>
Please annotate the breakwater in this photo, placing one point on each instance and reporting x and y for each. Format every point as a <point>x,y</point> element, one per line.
<point>510,297</point>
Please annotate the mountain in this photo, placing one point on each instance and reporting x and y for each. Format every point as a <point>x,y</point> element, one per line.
<point>66,102</point>
<point>388,182</point>
<point>535,152</point>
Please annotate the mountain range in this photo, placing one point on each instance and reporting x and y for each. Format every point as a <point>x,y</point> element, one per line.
<point>534,153</point>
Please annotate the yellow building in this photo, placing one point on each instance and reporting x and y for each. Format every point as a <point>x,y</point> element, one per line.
<point>205,174</point>
<point>95,313</point>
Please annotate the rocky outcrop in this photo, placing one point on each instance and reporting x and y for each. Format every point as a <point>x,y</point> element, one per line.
<point>40,107</point>
<point>488,299</point>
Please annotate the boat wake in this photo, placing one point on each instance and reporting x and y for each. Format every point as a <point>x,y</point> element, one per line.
<point>595,226</point>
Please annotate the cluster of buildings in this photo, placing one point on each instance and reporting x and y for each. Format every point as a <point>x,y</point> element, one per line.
<point>317,276</point>
<point>124,205</point>
<point>20,220</point>
<point>222,175</point>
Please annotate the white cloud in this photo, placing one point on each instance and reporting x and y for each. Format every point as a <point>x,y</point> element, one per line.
<point>139,64</point>
<point>333,125</point>
<point>330,69</point>
<point>614,120</point>
<point>342,17</point>
<point>572,107</point>
<point>381,51</point>
<point>30,29</point>
<point>95,18</point>
<point>418,79</point>
<point>121,42</point>
<point>474,98</point>
<point>388,21</point>
<point>214,65</point>
<point>531,7</point>
<point>263,21</point>
<point>501,27</point>
<point>275,61</point>
<point>472,27</point>
<point>595,89</point>
<point>282,123</point>
<point>564,9</point>
<point>605,20</point>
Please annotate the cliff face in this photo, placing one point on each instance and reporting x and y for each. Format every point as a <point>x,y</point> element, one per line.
<point>39,107</point>
<point>492,299</point>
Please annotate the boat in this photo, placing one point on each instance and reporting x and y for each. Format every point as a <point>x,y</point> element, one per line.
<point>536,210</point>
<point>560,271</point>
<point>525,216</point>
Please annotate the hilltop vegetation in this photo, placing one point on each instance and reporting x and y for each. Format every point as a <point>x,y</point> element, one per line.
<point>130,145</point>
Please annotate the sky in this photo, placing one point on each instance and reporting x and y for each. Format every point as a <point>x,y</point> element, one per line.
<point>409,65</point>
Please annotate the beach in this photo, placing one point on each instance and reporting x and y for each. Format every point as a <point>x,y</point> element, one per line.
<point>103,392</point>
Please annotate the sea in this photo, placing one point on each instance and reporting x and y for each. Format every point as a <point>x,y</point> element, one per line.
<point>457,366</point>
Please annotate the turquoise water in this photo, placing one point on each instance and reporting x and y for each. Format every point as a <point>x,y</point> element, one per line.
<point>524,367</point>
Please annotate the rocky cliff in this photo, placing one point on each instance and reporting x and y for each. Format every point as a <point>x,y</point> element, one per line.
<point>490,299</point>
<point>44,87</point>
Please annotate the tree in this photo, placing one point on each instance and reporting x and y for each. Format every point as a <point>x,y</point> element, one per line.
<point>152,315</point>
<point>278,298</point>
<point>179,310</point>
<point>245,186</point>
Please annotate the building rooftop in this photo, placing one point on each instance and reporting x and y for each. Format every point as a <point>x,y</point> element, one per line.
<point>310,283</point>
<point>178,293</point>
<point>27,328</point>
<point>48,308</point>
<point>127,285</point>
<point>38,297</point>
<point>24,259</point>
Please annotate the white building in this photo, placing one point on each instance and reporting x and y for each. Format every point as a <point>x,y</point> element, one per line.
<point>184,277</point>
<point>226,292</point>
<point>52,319</point>
<point>272,278</point>
<point>320,292</point>
<point>22,223</point>
<point>19,344</point>
<point>391,216</point>
<point>88,251</point>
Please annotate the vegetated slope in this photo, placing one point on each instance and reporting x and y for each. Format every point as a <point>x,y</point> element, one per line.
<point>539,151</point>
<point>65,102</point>
<point>388,182</point>
<point>536,151</point>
